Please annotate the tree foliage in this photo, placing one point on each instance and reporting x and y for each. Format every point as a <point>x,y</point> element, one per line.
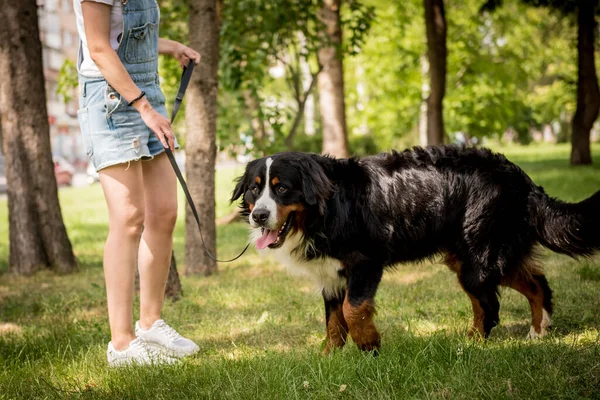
<point>502,72</point>
<point>269,55</point>
<point>513,68</point>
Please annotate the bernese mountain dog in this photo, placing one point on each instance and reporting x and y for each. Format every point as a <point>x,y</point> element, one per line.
<point>343,221</point>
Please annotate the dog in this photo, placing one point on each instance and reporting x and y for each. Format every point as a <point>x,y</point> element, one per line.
<point>343,221</point>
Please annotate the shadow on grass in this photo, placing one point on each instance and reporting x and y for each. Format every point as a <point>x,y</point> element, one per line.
<point>60,350</point>
<point>438,366</point>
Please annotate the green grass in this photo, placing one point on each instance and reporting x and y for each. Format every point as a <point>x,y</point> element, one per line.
<point>261,330</point>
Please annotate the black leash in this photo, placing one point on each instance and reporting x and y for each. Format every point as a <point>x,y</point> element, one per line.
<point>185,80</point>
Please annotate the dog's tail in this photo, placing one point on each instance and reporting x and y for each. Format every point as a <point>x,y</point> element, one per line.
<point>568,228</point>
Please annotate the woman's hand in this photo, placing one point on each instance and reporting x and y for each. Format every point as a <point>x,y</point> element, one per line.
<point>184,54</point>
<point>157,123</point>
<point>181,52</point>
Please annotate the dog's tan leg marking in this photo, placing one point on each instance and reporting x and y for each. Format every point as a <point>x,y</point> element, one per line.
<point>476,331</point>
<point>540,319</point>
<point>360,324</point>
<point>337,330</point>
<point>452,262</point>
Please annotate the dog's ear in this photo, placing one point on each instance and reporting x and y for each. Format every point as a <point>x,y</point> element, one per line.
<point>243,182</point>
<point>240,188</point>
<point>316,186</point>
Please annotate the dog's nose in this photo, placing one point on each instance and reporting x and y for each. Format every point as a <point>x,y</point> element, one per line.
<point>260,216</point>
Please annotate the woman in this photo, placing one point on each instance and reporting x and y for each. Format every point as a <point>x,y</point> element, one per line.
<point>125,130</point>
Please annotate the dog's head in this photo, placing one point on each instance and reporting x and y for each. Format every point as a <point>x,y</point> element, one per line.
<point>278,192</point>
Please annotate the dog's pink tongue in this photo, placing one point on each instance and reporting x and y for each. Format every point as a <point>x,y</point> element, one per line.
<point>266,239</point>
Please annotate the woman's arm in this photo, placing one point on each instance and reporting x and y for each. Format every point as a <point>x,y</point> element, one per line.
<point>182,53</point>
<point>96,19</point>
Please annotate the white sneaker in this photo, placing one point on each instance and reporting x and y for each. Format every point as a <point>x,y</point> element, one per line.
<point>138,353</point>
<point>166,340</point>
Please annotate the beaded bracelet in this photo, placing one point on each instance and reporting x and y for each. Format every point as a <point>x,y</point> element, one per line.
<point>132,102</point>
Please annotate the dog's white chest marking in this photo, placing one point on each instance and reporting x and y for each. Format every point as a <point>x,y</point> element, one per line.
<point>323,272</point>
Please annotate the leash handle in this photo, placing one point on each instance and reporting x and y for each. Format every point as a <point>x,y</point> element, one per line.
<point>185,80</point>
<point>186,76</point>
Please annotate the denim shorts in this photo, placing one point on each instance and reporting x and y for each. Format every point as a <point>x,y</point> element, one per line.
<point>113,132</point>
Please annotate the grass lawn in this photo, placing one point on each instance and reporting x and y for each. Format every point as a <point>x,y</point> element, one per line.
<point>261,330</point>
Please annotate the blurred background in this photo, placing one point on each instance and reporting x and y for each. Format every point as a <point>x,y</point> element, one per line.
<point>340,77</point>
<point>344,78</point>
<point>510,76</point>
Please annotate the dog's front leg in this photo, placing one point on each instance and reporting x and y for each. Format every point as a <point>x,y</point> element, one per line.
<point>337,328</point>
<point>359,306</point>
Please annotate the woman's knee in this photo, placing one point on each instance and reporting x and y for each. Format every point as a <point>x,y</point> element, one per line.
<point>162,219</point>
<point>129,221</point>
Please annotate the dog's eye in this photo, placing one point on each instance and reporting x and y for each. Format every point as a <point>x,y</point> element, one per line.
<point>255,190</point>
<point>281,189</point>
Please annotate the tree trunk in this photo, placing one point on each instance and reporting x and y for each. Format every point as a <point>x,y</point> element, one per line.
<point>173,289</point>
<point>588,93</point>
<point>435,21</point>
<point>38,238</point>
<point>201,127</point>
<point>289,140</point>
<point>423,108</point>
<point>331,83</point>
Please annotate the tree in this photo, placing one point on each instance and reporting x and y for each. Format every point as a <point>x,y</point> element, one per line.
<point>501,73</point>
<point>383,81</point>
<point>331,82</point>
<point>258,36</point>
<point>38,238</point>
<point>588,91</point>
<point>265,51</point>
<point>435,23</point>
<point>201,126</point>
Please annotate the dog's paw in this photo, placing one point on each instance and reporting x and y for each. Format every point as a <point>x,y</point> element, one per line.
<point>533,335</point>
<point>475,334</point>
<point>372,346</point>
<point>329,350</point>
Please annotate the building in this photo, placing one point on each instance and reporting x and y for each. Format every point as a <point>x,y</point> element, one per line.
<point>60,42</point>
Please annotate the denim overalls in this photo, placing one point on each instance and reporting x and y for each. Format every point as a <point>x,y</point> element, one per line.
<point>113,132</point>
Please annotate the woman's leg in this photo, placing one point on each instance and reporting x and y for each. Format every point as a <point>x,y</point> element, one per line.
<point>160,187</point>
<point>123,190</point>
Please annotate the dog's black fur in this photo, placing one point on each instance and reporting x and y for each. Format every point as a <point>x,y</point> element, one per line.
<point>479,210</point>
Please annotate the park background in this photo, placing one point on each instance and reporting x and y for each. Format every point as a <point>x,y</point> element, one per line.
<point>344,78</point>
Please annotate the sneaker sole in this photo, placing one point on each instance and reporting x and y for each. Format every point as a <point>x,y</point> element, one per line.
<point>171,353</point>
<point>136,363</point>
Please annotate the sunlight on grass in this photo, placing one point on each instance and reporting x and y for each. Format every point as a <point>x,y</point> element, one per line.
<point>261,330</point>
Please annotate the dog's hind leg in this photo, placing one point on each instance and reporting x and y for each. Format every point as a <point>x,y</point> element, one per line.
<point>337,328</point>
<point>532,284</point>
<point>359,306</point>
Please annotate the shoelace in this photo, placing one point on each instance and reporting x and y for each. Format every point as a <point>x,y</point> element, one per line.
<point>149,351</point>
<point>168,331</point>
<point>156,355</point>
